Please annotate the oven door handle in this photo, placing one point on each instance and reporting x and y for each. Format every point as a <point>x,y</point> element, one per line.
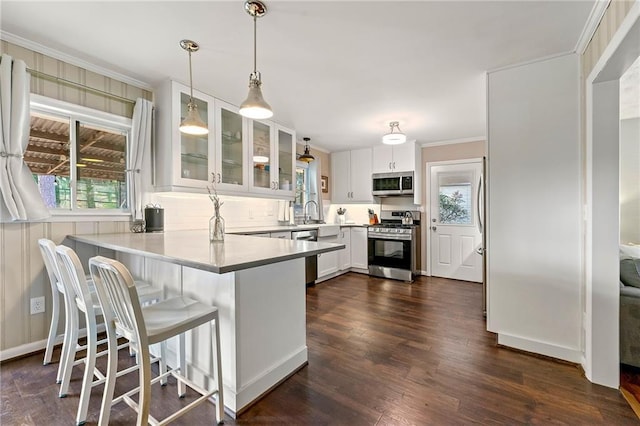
<point>389,237</point>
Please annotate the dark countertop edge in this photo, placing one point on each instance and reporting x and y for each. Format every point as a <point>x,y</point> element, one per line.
<point>204,266</point>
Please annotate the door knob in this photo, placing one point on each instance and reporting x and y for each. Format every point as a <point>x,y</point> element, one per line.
<point>433,228</point>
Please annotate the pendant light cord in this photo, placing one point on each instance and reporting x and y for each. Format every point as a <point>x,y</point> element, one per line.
<point>255,45</point>
<point>190,79</point>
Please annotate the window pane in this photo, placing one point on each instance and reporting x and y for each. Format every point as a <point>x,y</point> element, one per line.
<point>47,156</point>
<point>101,162</point>
<point>455,198</point>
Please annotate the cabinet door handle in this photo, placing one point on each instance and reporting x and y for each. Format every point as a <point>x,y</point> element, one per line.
<point>390,165</point>
<point>219,178</point>
<point>394,165</point>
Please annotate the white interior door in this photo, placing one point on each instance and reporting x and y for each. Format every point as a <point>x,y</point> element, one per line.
<point>455,231</point>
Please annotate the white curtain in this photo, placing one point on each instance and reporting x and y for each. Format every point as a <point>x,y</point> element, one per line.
<point>20,200</point>
<point>140,141</point>
<point>315,187</point>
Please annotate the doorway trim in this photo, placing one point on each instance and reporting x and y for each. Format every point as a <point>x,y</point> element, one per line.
<point>427,203</point>
<point>602,293</point>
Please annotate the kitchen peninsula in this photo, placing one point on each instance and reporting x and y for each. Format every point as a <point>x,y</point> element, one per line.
<point>258,285</point>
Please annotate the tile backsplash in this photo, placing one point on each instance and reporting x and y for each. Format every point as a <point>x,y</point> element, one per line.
<point>192,211</point>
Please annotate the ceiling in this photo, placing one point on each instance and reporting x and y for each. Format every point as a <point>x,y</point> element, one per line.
<point>337,72</point>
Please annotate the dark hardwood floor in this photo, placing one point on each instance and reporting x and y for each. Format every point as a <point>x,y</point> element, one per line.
<point>381,352</point>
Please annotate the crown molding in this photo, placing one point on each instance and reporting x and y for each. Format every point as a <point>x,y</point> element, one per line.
<point>72,60</point>
<point>597,12</point>
<point>454,141</point>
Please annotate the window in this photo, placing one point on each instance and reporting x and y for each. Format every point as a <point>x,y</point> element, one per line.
<point>78,156</point>
<point>302,188</point>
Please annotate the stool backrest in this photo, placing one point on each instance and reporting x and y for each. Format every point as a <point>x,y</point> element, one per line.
<point>73,276</point>
<point>118,298</point>
<point>48,251</point>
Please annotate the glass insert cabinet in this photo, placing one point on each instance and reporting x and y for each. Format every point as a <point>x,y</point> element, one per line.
<point>241,155</point>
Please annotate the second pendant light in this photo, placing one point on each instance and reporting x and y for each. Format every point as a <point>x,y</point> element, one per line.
<point>255,106</point>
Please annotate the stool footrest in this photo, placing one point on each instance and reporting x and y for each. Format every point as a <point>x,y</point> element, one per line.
<point>205,394</point>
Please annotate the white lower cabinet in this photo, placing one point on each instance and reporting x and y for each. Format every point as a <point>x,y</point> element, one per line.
<point>344,256</point>
<point>328,262</point>
<point>359,247</point>
<point>352,258</point>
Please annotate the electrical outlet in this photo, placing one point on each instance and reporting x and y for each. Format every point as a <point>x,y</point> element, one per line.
<point>37,305</point>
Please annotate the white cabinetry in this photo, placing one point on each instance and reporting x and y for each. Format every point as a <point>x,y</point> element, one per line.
<point>359,257</point>
<point>231,148</point>
<point>351,176</point>
<point>183,162</point>
<point>189,163</point>
<point>328,262</point>
<point>272,159</point>
<point>395,158</point>
<point>344,256</point>
<point>406,157</point>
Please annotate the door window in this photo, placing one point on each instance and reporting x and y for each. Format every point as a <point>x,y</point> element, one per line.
<point>456,198</point>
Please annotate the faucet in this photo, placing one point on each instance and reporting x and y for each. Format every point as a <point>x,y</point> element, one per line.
<point>304,210</point>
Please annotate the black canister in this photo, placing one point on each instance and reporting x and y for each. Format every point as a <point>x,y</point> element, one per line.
<point>154,218</point>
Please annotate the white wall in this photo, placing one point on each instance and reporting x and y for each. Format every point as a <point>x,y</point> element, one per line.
<point>534,208</point>
<point>630,181</point>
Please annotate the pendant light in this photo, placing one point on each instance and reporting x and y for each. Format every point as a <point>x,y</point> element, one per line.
<point>306,157</point>
<point>255,106</point>
<point>192,124</point>
<point>259,157</point>
<point>394,137</point>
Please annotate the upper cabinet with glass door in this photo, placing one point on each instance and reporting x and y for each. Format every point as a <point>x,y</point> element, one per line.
<point>231,148</point>
<point>272,155</point>
<point>286,148</point>
<point>240,155</point>
<point>183,161</point>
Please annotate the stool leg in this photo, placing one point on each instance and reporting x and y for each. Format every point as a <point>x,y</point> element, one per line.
<point>163,362</point>
<point>53,330</point>
<point>144,400</point>
<point>218,366</point>
<point>90,364</point>
<point>112,370</point>
<point>67,346</point>
<point>182,365</point>
<point>70,352</point>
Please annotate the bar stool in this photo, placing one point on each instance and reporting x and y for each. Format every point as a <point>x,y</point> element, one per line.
<point>79,297</point>
<point>147,325</point>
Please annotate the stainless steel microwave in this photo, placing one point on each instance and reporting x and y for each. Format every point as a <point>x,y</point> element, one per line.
<point>391,184</point>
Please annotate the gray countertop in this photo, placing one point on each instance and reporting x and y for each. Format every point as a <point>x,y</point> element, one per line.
<point>284,228</point>
<point>193,249</point>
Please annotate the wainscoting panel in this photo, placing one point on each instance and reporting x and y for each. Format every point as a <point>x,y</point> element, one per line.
<point>23,276</point>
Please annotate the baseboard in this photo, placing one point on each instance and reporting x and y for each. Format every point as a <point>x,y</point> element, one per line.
<point>37,346</point>
<point>554,351</point>
<point>254,390</point>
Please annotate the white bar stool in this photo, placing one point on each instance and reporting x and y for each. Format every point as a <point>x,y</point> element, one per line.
<point>147,325</point>
<point>79,297</point>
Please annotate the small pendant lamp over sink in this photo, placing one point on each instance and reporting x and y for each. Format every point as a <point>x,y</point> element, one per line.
<point>192,123</point>
<point>255,106</point>
<point>306,157</point>
<point>394,137</point>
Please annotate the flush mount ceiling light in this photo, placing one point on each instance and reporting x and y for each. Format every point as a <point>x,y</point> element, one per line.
<point>192,123</point>
<point>255,106</point>
<point>394,137</point>
<point>306,157</point>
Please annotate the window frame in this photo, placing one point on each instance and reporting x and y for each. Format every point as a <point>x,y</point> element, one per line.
<point>84,115</point>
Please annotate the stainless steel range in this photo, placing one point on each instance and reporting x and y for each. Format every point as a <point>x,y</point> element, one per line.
<point>394,245</point>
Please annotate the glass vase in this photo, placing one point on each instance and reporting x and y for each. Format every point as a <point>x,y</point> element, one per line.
<point>216,228</point>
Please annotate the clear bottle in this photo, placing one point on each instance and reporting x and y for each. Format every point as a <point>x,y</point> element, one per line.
<point>216,227</point>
